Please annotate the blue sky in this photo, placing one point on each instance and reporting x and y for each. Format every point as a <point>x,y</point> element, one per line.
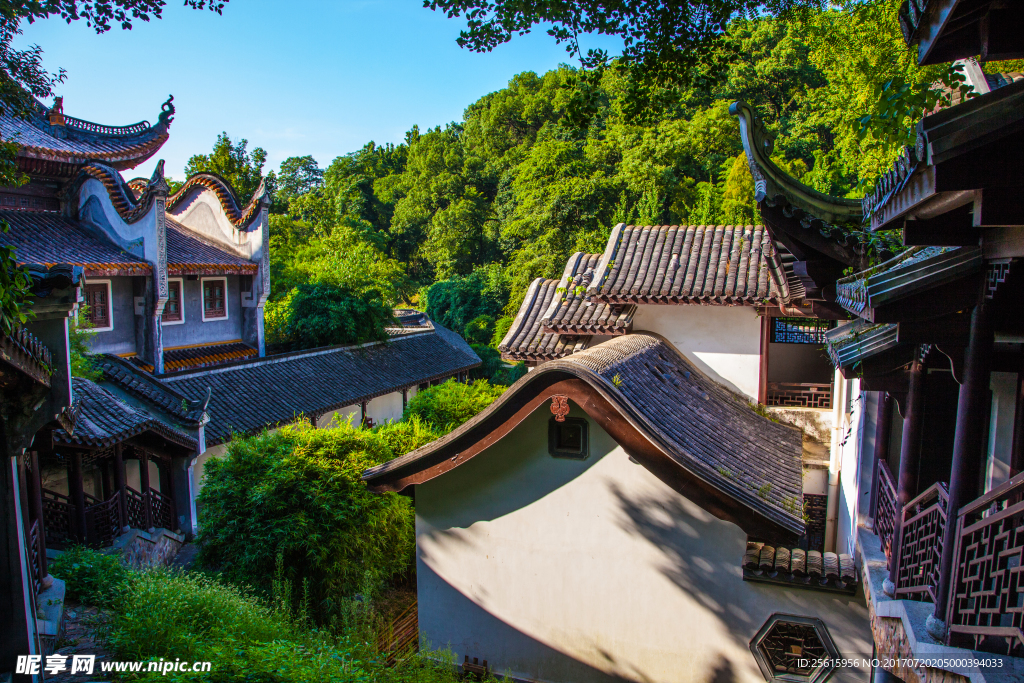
<point>322,79</point>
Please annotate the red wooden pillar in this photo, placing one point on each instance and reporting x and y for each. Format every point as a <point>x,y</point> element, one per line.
<point>967,449</point>
<point>883,432</point>
<point>76,487</point>
<point>35,494</point>
<point>147,497</point>
<point>119,486</point>
<point>910,456</point>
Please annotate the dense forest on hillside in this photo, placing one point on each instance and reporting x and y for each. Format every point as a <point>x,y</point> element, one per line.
<point>461,218</point>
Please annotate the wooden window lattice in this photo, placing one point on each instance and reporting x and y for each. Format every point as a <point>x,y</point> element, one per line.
<point>792,648</point>
<point>57,516</point>
<point>799,395</point>
<point>97,298</point>
<point>885,514</point>
<point>986,607</point>
<point>213,298</point>
<point>172,309</point>
<point>815,512</point>
<point>799,330</point>
<point>924,522</point>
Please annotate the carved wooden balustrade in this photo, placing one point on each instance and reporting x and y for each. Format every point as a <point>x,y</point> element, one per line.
<point>137,505</point>
<point>924,522</point>
<point>800,395</point>
<point>986,602</point>
<point>885,514</point>
<point>58,519</point>
<point>103,521</point>
<point>163,513</point>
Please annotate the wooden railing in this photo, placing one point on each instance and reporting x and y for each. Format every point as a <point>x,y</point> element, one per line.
<point>986,602</point>
<point>137,506</point>
<point>58,519</point>
<point>924,522</point>
<point>163,510</point>
<point>885,513</point>
<point>800,395</point>
<point>103,521</point>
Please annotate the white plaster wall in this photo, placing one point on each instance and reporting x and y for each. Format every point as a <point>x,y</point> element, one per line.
<point>199,466</point>
<point>1000,440</point>
<point>201,211</point>
<point>851,440</point>
<point>123,232</point>
<point>561,570</point>
<point>384,408</point>
<point>723,341</point>
<point>350,414</point>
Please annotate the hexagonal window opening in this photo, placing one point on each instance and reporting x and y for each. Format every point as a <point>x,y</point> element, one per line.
<point>794,649</point>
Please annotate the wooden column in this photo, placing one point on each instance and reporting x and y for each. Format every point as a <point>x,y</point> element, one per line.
<point>762,379</point>
<point>910,455</point>
<point>1017,454</point>
<point>883,432</point>
<point>362,412</point>
<point>76,487</point>
<point>968,458</point>
<point>144,484</point>
<point>35,494</point>
<point>405,399</point>
<point>170,495</point>
<point>119,486</point>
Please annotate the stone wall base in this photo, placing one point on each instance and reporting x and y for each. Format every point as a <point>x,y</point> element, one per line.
<point>143,549</point>
<point>892,643</point>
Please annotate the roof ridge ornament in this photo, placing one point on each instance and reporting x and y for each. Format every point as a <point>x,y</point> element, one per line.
<point>157,182</point>
<point>772,184</point>
<point>166,113</point>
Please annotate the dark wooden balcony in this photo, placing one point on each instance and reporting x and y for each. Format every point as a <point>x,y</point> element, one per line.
<point>986,596</point>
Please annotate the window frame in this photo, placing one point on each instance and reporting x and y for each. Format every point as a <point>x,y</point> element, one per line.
<point>202,296</point>
<point>564,454</point>
<point>181,302</point>
<point>110,302</point>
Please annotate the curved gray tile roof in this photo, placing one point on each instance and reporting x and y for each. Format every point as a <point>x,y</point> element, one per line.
<point>101,419</point>
<point>526,338</point>
<point>708,264</point>
<point>252,394</point>
<point>571,312</point>
<point>50,238</point>
<point>706,429</point>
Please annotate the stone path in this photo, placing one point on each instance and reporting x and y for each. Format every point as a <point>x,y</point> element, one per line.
<point>80,626</point>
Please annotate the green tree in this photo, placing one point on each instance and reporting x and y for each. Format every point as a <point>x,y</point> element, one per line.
<point>243,170</point>
<point>325,314</point>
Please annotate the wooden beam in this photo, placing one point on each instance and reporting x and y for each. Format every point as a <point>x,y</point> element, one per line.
<point>953,328</point>
<point>951,229</point>
<point>938,301</point>
<point>999,207</point>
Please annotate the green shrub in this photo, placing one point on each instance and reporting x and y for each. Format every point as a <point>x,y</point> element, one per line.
<point>479,330</point>
<point>187,616</point>
<point>445,406</point>
<point>501,328</point>
<point>406,436</point>
<point>298,492</point>
<point>494,369</point>
<point>91,577</point>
